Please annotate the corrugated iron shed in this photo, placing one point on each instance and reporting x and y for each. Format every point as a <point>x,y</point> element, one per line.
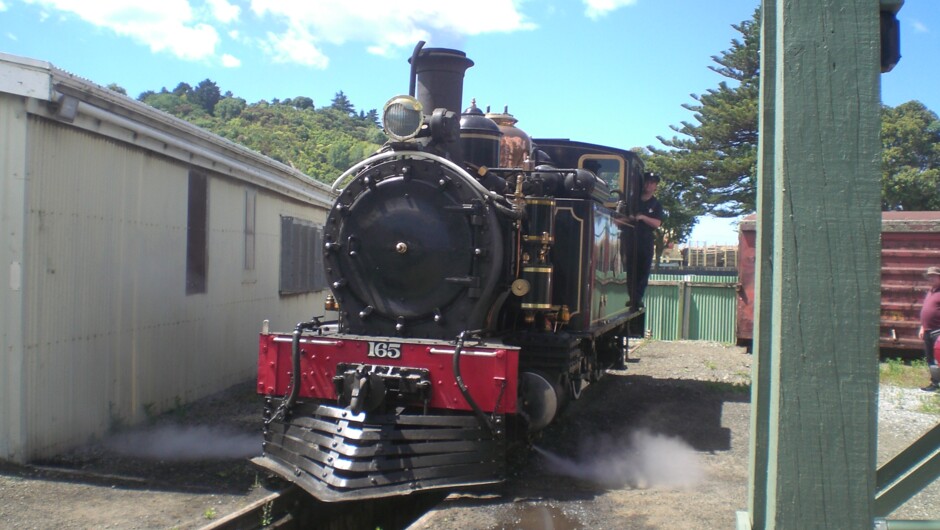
<point>112,309</point>
<point>691,307</point>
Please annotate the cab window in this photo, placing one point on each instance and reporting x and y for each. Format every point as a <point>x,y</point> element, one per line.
<point>608,168</point>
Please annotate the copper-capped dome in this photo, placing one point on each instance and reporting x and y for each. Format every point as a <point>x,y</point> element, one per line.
<point>515,144</point>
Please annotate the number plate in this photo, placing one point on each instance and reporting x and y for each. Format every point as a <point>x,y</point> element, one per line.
<point>385,350</point>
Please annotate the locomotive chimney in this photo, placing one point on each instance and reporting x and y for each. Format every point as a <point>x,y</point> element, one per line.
<point>439,74</point>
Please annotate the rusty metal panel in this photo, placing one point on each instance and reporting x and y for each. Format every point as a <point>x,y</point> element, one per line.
<point>747,267</point>
<point>910,242</point>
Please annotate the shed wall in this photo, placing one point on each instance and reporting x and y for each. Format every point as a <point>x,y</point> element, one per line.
<point>110,334</point>
<point>12,218</point>
<point>691,307</point>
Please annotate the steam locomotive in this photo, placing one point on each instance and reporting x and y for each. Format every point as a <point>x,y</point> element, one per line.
<point>478,285</point>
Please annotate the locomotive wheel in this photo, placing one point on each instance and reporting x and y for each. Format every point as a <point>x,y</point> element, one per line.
<point>539,399</point>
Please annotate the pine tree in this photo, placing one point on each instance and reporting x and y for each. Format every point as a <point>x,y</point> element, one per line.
<point>206,95</point>
<point>341,103</point>
<point>372,117</point>
<point>182,89</point>
<point>717,156</point>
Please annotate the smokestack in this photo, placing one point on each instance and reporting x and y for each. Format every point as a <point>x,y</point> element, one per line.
<point>440,74</point>
<point>440,78</point>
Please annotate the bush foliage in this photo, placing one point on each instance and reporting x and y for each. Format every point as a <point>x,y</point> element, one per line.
<point>320,142</point>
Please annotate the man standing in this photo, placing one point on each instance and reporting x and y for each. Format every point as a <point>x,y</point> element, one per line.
<point>930,326</point>
<point>638,241</point>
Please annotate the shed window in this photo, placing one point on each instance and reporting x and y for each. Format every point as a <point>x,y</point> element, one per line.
<point>301,257</point>
<point>197,234</point>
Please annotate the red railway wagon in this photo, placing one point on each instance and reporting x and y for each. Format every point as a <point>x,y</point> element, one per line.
<point>910,242</point>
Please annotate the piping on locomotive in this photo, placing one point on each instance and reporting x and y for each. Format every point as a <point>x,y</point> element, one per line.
<point>474,295</point>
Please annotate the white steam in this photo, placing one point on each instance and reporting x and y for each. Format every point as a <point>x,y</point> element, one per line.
<point>643,460</point>
<point>186,443</point>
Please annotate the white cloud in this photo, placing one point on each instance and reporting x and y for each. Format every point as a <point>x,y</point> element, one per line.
<point>291,31</point>
<point>223,11</point>
<point>11,36</point>
<point>166,25</point>
<point>295,46</point>
<point>382,27</point>
<point>191,43</point>
<point>920,27</point>
<point>595,9</point>
<point>230,61</point>
<point>3,6</point>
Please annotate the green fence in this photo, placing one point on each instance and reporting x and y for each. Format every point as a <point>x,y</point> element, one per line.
<point>692,307</point>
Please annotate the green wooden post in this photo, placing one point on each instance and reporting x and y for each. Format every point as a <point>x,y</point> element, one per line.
<point>763,271</point>
<point>818,395</point>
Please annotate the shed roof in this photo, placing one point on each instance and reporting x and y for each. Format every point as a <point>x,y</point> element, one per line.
<point>59,95</point>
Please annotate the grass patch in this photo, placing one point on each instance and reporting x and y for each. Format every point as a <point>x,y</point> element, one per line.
<point>906,374</point>
<point>266,517</point>
<point>727,388</point>
<point>931,405</point>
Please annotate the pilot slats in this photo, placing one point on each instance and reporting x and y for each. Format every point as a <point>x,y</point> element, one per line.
<point>337,455</point>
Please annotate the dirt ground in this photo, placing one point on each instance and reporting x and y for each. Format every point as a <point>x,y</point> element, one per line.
<point>663,444</point>
<point>185,469</point>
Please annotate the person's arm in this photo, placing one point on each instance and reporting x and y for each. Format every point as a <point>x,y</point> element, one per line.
<point>653,222</point>
<point>920,332</point>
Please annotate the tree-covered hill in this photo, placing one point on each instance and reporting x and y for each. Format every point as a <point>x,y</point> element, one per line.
<point>320,142</point>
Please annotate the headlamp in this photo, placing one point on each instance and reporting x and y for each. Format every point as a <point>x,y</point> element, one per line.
<point>402,118</point>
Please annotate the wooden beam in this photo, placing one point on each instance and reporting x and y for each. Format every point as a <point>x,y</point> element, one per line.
<point>763,271</point>
<point>818,398</point>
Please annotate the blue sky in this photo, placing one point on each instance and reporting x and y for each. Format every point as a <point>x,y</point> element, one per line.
<point>614,72</point>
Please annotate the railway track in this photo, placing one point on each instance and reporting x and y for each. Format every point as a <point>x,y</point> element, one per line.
<point>292,508</point>
<point>281,510</point>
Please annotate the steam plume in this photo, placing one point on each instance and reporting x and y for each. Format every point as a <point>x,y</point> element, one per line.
<point>186,443</point>
<point>644,460</point>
